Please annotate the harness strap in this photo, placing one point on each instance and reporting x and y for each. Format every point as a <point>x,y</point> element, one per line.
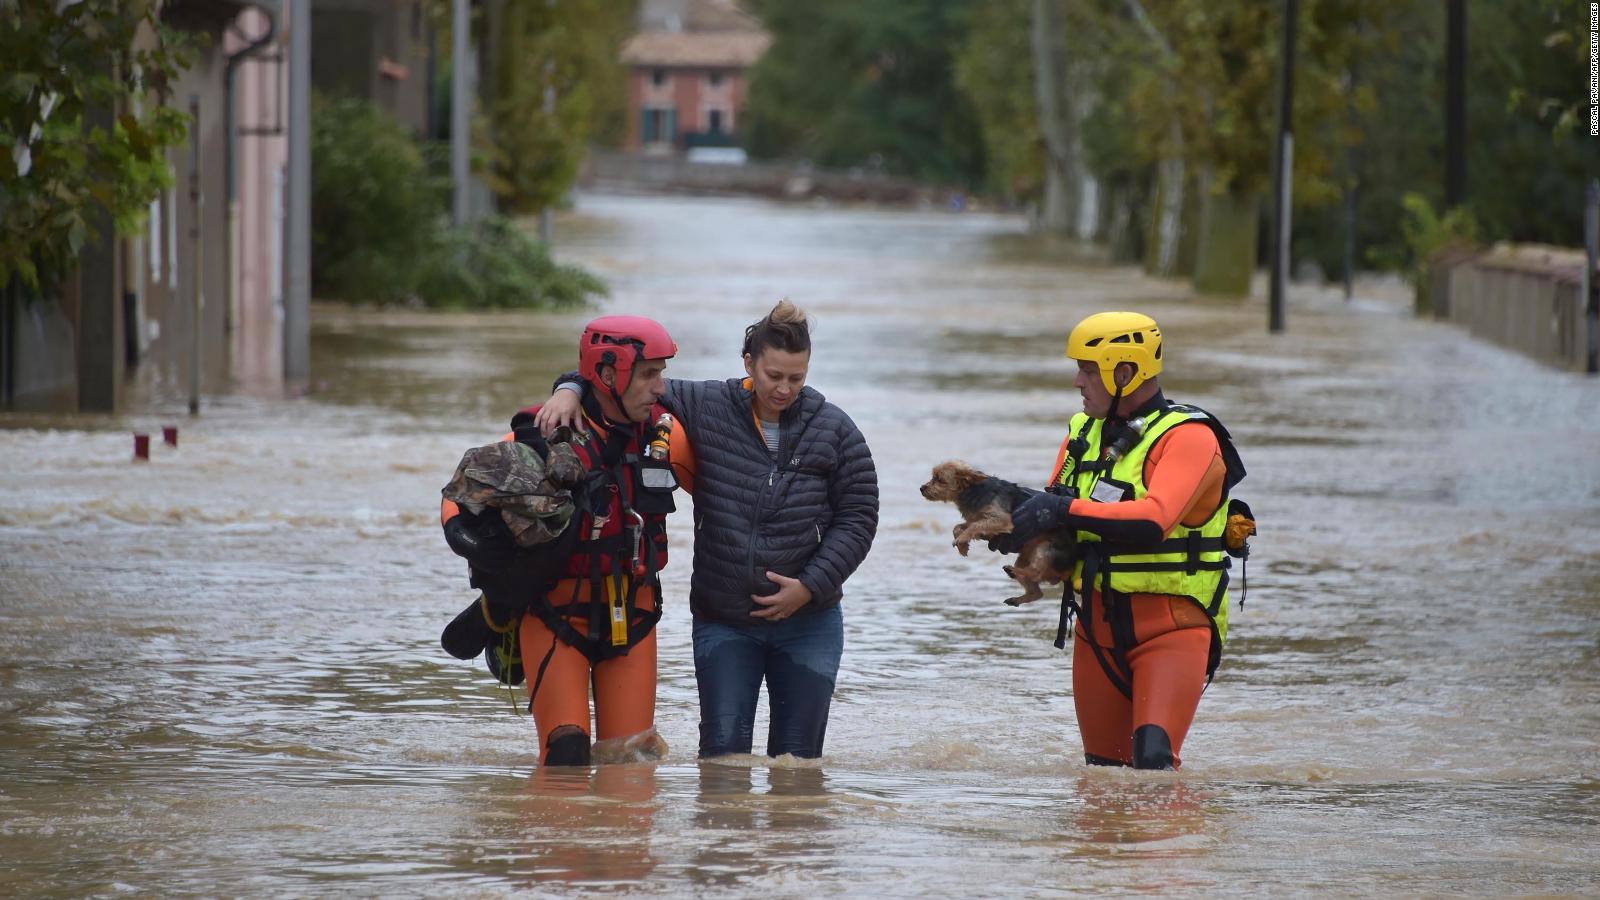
<point>1202,566</point>
<point>1114,664</point>
<point>1069,608</point>
<point>1194,540</point>
<point>1077,446</point>
<point>1119,614</point>
<point>545,664</point>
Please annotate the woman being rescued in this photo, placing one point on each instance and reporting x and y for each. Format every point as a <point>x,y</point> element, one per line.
<point>593,618</point>
<point>786,507</point>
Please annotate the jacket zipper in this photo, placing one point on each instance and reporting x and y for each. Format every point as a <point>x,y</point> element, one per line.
<point>755,519</point>
<point>772,480</point>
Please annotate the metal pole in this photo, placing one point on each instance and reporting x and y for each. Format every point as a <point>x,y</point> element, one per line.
<point>196,259</point>
<point>297,222</point>
<point>8,332</point>
<point>1455,104</point>
<point>1351,179</point>
<point>1349,228</point>
<point>1591,284</point>
<point>1283,174</point>
<point>460,105</point>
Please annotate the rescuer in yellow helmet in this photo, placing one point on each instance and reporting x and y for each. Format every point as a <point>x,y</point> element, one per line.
<point>1145,485</point>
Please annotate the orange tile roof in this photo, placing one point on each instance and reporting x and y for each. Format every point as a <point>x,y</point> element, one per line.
<point>719,49</point>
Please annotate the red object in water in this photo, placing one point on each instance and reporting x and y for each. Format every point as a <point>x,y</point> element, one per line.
<point>169,435</point>
<point>141,446</point>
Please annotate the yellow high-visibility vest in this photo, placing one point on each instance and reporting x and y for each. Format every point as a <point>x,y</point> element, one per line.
<point>1189,562</point>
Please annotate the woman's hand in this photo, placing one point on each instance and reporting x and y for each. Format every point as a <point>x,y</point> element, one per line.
<point>790,597</point>
<point>563,408</point>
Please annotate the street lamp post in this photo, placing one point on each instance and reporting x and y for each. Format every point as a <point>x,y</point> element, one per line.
<point>1283,174</point>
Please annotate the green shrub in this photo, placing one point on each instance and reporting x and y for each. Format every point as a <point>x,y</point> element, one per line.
<point>375,210</point>
<point>1425,233</point>
<point>493,263</point>
<point>378,229</point>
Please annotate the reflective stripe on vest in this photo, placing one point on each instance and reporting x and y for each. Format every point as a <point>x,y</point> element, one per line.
<point>1190,562</point>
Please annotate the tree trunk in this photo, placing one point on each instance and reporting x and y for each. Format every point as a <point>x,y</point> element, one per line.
<point>1194,192</point>
<point>1063,163</point>
<point>1226,256</point>
<point>1124,233</point>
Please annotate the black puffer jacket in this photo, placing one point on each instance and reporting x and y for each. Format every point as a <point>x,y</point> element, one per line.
<point>810,512</point>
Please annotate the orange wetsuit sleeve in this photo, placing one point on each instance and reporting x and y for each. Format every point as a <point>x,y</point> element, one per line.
<point>681,453</point>
<point>1061,457</point>
<point>1183,475</point>
<point>447,508</point>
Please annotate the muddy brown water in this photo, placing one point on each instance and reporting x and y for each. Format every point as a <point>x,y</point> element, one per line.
<point>219,671</point>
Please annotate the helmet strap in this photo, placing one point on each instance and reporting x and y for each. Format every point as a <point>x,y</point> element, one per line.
<point>1116,400</point>
<point>616,395</point>
<point>617,398</point>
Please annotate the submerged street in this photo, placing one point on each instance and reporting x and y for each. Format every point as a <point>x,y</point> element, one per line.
<point>220,671</point>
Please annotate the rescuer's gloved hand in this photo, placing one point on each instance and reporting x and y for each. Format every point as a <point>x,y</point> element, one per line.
<point>1004,543</point>
<point>478,541</point>
<point>1035,516</point>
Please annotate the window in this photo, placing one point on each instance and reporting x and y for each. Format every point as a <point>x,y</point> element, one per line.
<point>658,77</point>
<point>714,79</point>
<point>714,121</point>
<point>658,126</point>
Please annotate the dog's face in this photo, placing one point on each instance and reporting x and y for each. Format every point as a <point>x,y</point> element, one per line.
<point>949,479</point>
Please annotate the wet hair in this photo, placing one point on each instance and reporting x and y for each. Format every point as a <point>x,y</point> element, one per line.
<point>786,328</point>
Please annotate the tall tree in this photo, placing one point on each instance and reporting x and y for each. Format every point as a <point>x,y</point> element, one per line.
<point>847,83</point>
<point>995,69</point>
<point>552,81</point>
<point>1058,105</point>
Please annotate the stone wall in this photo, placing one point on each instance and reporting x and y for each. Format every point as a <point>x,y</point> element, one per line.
<point>1526,297</point>
<point>610,170</point>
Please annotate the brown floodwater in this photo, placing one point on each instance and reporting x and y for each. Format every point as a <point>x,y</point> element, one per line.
<point>220,671</point>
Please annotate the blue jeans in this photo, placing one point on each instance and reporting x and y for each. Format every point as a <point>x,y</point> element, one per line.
<point>798,657</point>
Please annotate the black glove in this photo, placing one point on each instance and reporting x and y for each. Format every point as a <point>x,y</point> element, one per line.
<point>1004,543</point>
<point>477,540</point>
<point>1035,516</point>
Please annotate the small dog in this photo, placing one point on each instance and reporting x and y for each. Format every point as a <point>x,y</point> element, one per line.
<point>985,504</point>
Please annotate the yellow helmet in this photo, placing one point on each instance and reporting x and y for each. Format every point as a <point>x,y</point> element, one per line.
<point>1108,338</point>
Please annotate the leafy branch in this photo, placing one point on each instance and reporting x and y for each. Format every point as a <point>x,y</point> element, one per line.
<point>59,172</point>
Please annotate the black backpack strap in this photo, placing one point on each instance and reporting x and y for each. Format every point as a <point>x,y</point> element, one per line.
<point>1115,663</point>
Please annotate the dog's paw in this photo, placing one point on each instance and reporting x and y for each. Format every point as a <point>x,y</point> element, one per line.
<point>1011,573</point>
<point>962,546</point>
<point>1024,599</point>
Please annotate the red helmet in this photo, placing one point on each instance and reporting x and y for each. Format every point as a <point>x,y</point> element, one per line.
<point>621,342</point>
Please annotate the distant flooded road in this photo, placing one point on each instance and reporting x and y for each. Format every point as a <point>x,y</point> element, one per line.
<point>220,671</point>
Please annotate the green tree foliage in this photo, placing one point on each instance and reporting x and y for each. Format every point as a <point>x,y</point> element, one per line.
<point>494,264</point>
<point>1425,232</point>
<point>1220,84</point>
<point>378,231</point>
<point>995,68</point>
<point>847,83</point>
<point>553,83</point>
<point>1526,88</point>
<point>375,204</point>
<point>1525,168</point>
<point>56,175</point>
